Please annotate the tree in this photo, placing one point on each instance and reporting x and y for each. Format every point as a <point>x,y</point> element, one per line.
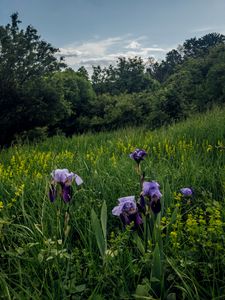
<point>197,47</point>
<point>26,66</point>
<point>78,92</point>
<point>83,72</point>
<point>98,79</point>
<point>191,48</point>
<point>23,55</point>
<point>215,78</point>
<point>128,76</point>
<point>161,71</point>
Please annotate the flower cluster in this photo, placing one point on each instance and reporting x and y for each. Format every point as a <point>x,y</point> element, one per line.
<point>64,178</point>
<point>127,211</point>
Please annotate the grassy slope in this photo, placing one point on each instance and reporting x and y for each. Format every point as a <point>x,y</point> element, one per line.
<point>34,262</point>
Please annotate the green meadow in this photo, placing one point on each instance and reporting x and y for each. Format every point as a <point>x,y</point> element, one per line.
<point>55,250</point>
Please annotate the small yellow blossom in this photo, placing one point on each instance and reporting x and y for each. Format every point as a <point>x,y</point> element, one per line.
<point>173,234</point>
<point>210,148</point>
<point>1,205</point>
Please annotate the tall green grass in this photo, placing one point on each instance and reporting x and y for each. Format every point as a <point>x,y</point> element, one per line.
<point>80,251</point>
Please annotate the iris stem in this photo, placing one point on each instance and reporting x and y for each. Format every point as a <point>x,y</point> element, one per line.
<point>146,232</point>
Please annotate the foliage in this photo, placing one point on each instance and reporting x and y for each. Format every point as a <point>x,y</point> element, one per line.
<point>28,95</point>
<point>78,93</point>
<point>191,48</point>
<point>128,76</point>
<point>110,112</point>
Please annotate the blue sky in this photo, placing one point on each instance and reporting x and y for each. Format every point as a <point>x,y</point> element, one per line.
<point>96,32</point>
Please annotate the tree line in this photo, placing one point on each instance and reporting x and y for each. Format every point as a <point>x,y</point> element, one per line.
<point>40,95</point>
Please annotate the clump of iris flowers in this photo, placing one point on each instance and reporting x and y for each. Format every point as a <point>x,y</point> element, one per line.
<point>151,191</point>
<point>127,211</point>
<point>64,179</point>
<point>186,192</point>
<point>138,155</point>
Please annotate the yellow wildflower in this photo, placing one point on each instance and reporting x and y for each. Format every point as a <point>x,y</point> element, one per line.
<point>1,205</point>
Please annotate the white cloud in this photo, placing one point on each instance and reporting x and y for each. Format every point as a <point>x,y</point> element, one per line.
<point>91,47</point>
<point>106,51</point>
<point>156,49</point>
<point>69,52</point>
<point>133,45</point>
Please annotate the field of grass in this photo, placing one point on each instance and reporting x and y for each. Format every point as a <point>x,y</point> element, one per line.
<point>81,251</point>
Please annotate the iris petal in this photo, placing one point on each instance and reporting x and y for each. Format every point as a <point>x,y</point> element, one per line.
<point>124,218</point>
<point>66,192</point>
<point>155,206</point>
<point>78,179</point>
<point>52,192</point>
<point>142,203</point>
<point>138,220</point>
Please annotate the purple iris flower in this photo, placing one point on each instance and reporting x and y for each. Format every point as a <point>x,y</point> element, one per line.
<point>138,155</point>
<point>151,190</point>
<point>64,178</point>
<point>127,211</point>
<point>187,192</point>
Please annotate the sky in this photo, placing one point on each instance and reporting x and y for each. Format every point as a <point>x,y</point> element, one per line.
<point>97,32</point>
